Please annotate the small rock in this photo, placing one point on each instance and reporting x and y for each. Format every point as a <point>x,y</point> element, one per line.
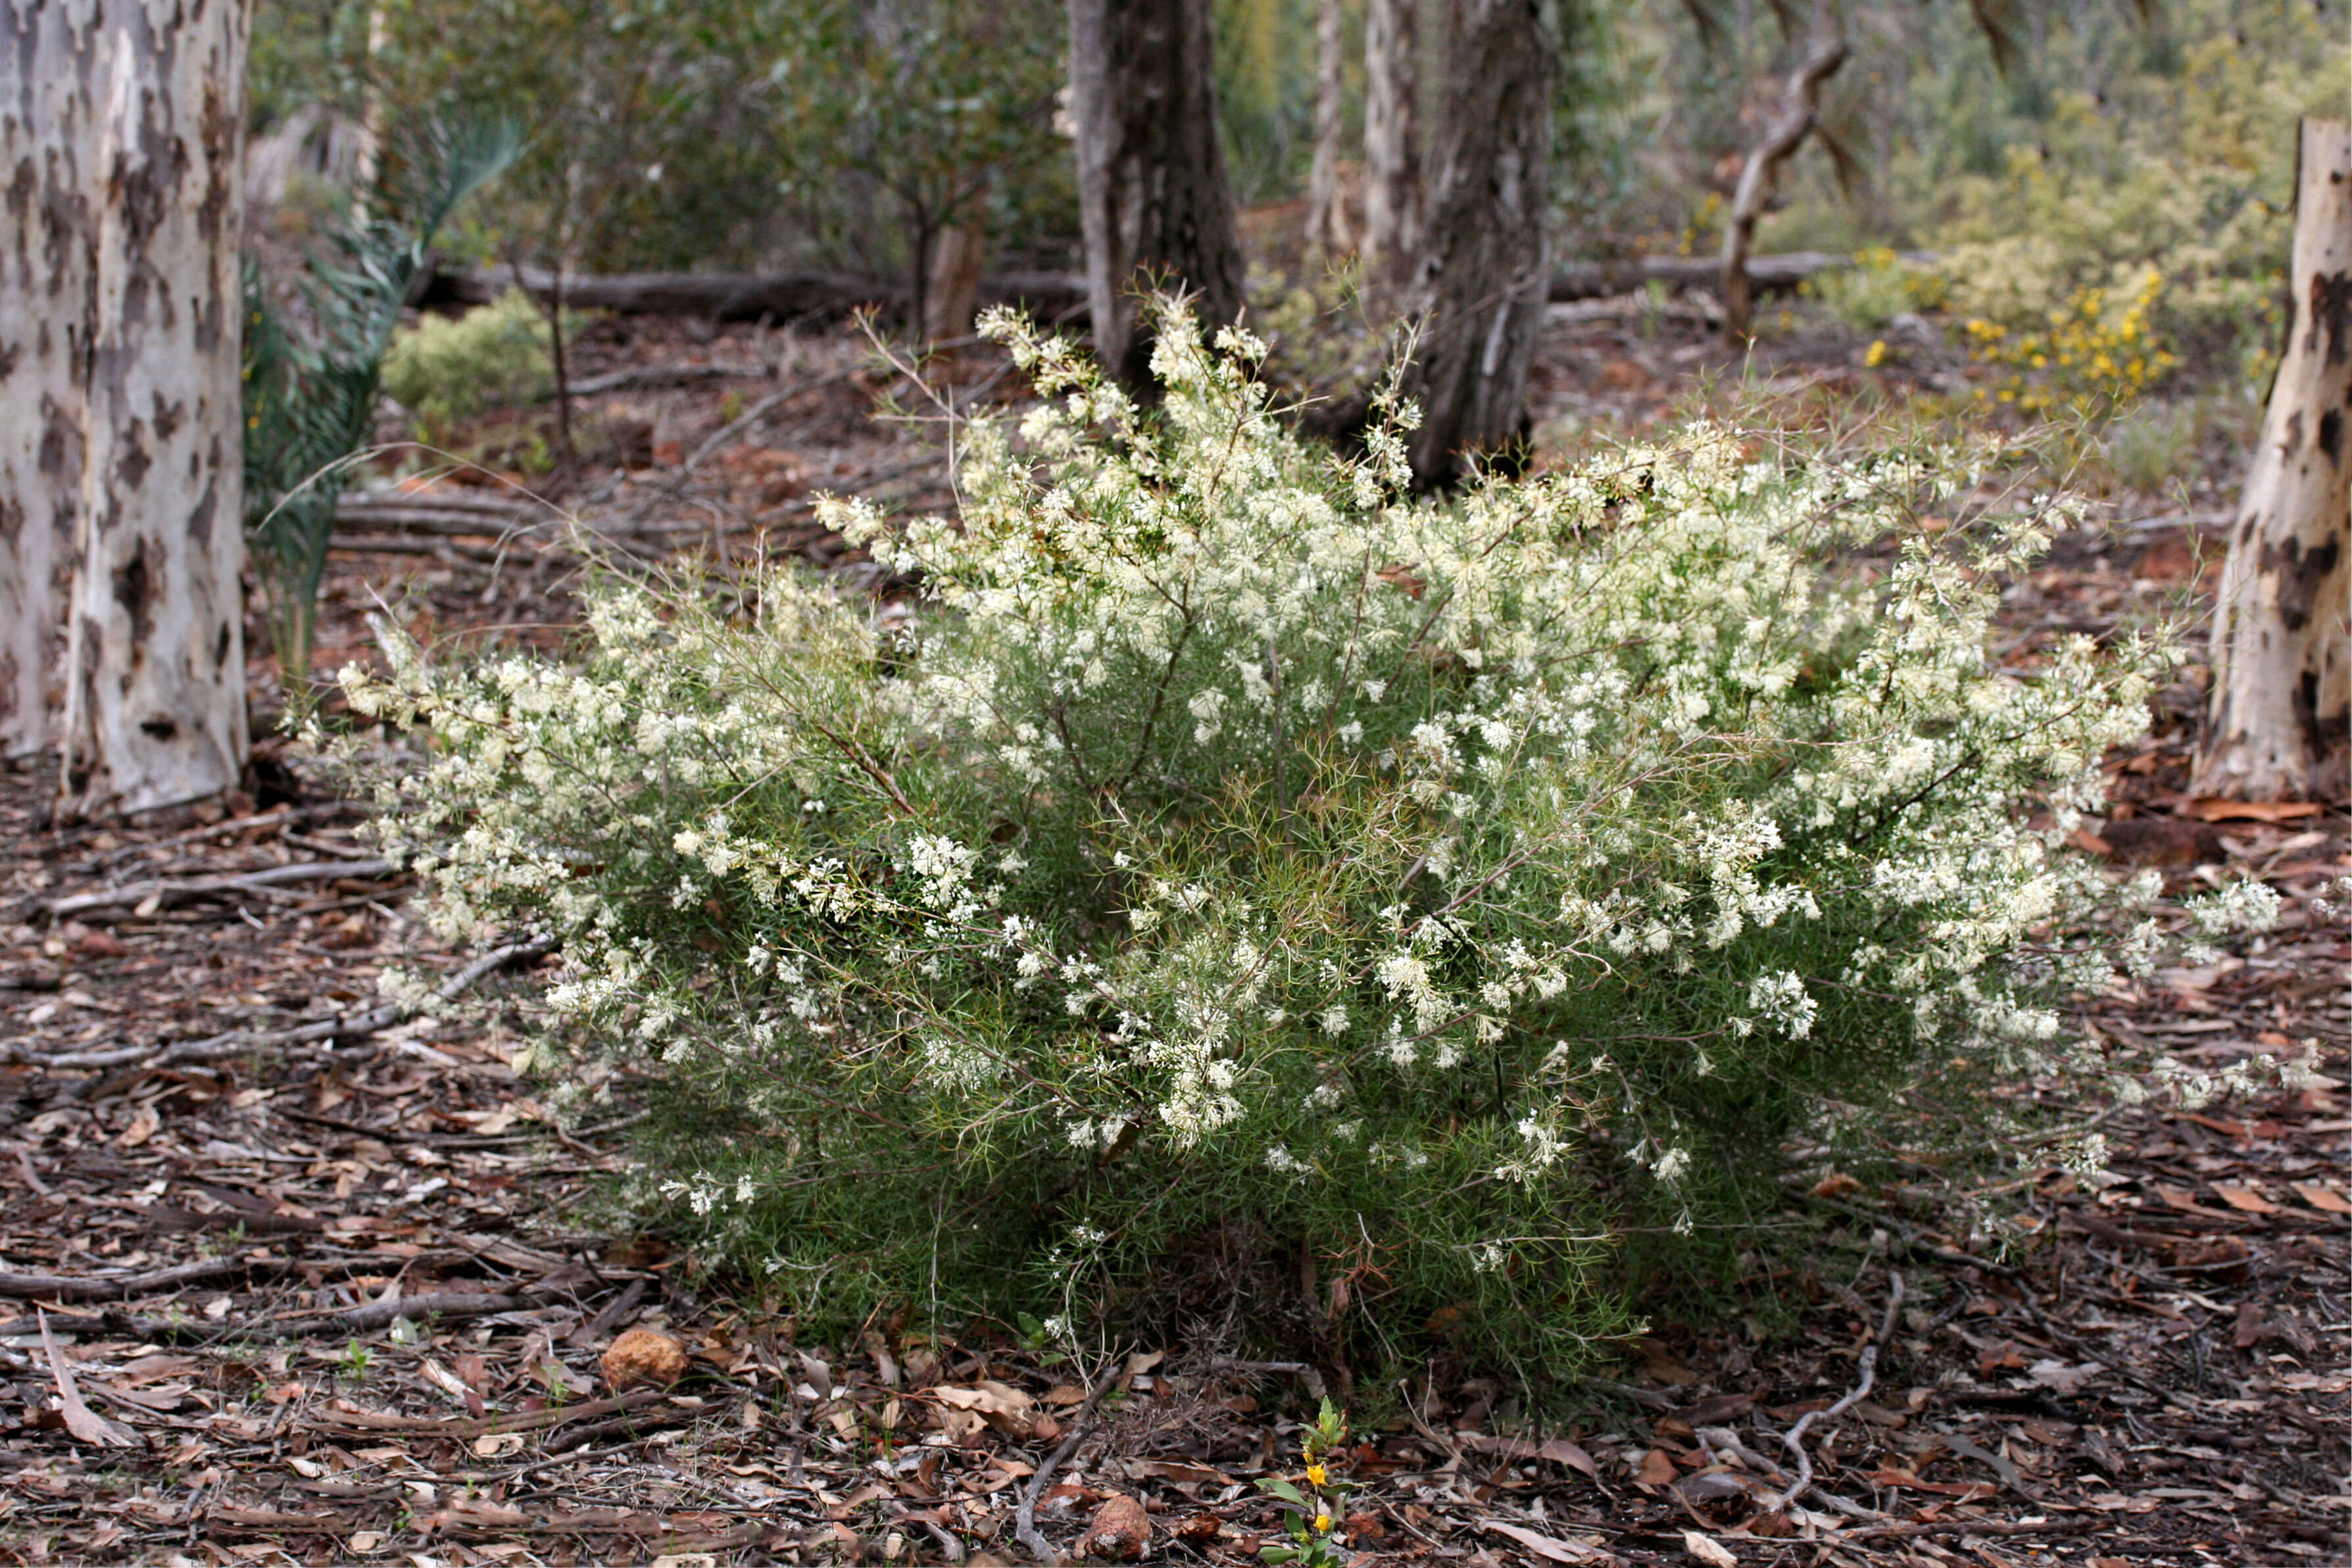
<point>1915,330</point>
<point>644,1355</point>
<point>1119,1529</point>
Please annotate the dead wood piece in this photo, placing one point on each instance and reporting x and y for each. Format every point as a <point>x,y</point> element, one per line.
<point>262,1519</point>
<point>469,1428</point>
<point>164,893</point>
<point>1800,114</point>
<point>1794,1438</point>
<point>652,378</point>
<point>588,1333</point>
<point>87,1287</point>
<point>1025,1517</point>
<point>1973,1527</point>
<point>432,1303</point>
<point>351,1025</point>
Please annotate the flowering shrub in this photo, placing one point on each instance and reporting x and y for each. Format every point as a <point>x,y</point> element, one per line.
<point>1229,845</point>
<point>2094,353</point>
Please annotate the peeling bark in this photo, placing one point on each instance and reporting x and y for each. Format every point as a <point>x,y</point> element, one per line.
<point>155,653</point>
<point>2280,726</point>
<point>1153,198</point>
<point>47,145</point>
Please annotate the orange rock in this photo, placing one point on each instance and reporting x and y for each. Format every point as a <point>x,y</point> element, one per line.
<point>1119,1529</point>
<point>644,1355</point>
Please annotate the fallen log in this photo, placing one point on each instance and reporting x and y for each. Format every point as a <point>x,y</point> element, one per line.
<point>746,296</point>
<point>1058,297</point>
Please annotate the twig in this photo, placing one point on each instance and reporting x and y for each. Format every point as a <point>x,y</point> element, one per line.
<point>1024,1518</point>
<point>119,1288</point>
<point>586,1335</point>
<point>351,1025</point>
<point>164,893</point>
<point>1794,1438</point>
<point>757,412</point>
<point>416,1309</point>
<point>1972,1526</point>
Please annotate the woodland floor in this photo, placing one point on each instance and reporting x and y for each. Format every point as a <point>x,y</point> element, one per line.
<point>345,1299</point>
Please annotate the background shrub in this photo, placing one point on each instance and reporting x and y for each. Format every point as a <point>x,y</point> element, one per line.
<point>449,368</point>
<point>1231,855</point>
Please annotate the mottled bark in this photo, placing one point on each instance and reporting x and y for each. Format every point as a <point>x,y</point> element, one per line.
<point>155,672</point>
<point>2280,726</point>
<point>1393,194</point>
<point>47,144</point>
<point>1154,199</point>
<point>1800,110</point>
<point>1484,260</point>
<point>1326,212</point>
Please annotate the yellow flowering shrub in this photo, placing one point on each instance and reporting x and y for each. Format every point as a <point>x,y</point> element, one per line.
<point>2093,355</point>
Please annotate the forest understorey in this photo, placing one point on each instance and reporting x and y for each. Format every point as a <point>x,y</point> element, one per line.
<point>288,1275</point>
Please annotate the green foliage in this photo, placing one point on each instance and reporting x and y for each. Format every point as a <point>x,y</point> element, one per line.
<point>495,355</point>
<point>1231,852</point>
<point>670,133</point>
<point>1879,286</point>
<point>1311,1519</point>
<point>310,396</point>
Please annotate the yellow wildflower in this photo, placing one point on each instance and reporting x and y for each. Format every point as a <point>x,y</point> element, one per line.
<point>1322,1523</point>
<point>1318,1476</point>
<point>1877,355</point>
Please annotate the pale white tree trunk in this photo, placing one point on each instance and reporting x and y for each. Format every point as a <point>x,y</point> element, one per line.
<point>1393,194</point>
<point>155,652</point>
<point>1327,213</point>
<point>47,145</point>
<point>2281,722</point>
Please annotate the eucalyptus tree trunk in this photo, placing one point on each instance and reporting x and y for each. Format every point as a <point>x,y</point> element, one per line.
<point>1327,213</point>
<point>1484,260</point>
<point>46,143</point>
<point>1392,195</point>
<point>1154,199</point>
<point>155,653</point>
<point>2281,721</point>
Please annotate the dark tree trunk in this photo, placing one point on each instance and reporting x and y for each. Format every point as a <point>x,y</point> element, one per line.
<point>1153,198</point>
<point>1485,263</point>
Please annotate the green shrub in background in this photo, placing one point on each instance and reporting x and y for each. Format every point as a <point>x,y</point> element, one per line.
<point>1878,287</point>
<point>446,369</point>
<point>1231,855</point>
